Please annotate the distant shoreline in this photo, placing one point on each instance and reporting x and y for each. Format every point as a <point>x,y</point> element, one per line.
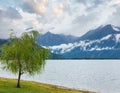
<point>87,59</point>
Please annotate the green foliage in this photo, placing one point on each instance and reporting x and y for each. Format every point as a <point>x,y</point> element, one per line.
<point>23,55</point>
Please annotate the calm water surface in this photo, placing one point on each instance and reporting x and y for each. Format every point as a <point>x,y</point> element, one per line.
<point>102,76</point>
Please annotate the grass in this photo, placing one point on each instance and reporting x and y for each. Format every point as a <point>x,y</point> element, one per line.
<point>9,86</point>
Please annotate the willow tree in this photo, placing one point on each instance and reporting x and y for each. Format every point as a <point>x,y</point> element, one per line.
<point>23,55</point>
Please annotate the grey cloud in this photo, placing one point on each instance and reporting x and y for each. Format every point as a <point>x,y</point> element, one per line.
<point>24,5</point>
<point>96,4</point>
<point>10,12</point>
<point>117,13</point>
<point>18,4</point>
<point>77,15</point>
<point>33,7</point>
<point>115,19</point>
<point>4,30</point>
<point>80,1</point>
<point>84,19</point>
<point>89,1</point>
<point>27,8</point>
<point>99,1</point>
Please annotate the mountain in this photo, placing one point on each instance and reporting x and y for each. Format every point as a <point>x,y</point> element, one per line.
<point>102,42</point>
<point>2,41</point>
<point>50,39</point>
<point>100,32</point>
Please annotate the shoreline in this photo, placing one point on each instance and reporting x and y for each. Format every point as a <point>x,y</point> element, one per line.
<point>52,86</point>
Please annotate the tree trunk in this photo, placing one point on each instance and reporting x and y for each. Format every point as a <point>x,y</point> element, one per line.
<point>19,76</point>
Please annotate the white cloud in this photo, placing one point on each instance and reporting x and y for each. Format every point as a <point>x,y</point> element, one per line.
<point>74,17</point>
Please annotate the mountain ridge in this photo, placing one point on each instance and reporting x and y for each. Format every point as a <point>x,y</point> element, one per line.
<point>102,42</point>
<point>99,32</point>
<point>51,39</point>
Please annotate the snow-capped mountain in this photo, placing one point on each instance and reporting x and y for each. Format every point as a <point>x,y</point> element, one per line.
<point>100,32</point>
<point>50,39</point>
<point>103,42</point>
<point>89,45</point>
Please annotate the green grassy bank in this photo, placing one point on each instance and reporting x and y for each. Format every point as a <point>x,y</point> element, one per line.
<point>9,86</point>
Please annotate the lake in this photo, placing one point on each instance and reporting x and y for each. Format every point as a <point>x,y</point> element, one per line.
<point>102,76</point>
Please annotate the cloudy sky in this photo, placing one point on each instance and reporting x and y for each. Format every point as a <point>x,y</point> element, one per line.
<point>74,17</point>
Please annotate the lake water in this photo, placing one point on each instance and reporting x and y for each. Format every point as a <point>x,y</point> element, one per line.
<point>102,76</point>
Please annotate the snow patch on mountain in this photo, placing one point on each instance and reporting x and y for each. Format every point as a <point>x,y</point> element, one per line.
<point>106,37</point>
<point>86,45</point>
<point>99,49</point>
<point>117,37</point>
<point>63,48</point>
<point>115,28</point>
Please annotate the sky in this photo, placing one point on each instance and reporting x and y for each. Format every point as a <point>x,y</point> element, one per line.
<point>71,17</point>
